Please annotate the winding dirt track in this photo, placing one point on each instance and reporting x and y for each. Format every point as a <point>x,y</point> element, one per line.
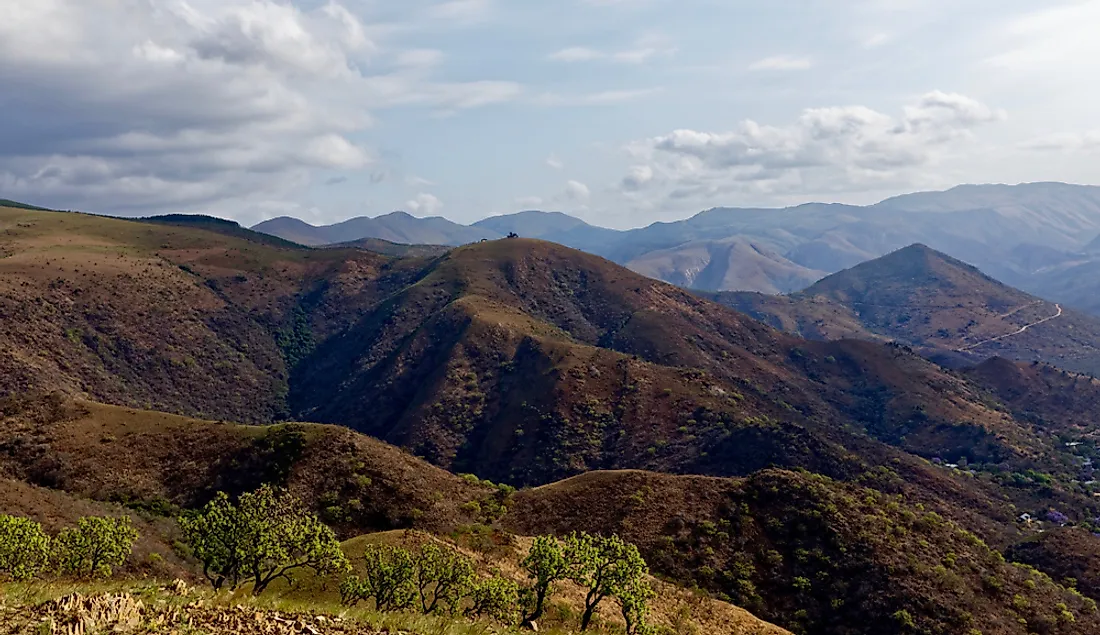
<point>1014,333</point>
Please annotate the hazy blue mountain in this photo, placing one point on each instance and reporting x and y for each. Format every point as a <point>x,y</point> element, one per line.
<point>396,227</point>
<point>1041,237</point>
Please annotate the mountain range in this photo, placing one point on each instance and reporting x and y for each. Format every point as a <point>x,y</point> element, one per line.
<point>833,486</point>
<point>1040,237</point>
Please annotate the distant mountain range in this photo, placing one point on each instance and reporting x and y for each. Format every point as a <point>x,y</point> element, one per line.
<point>1041,237</point>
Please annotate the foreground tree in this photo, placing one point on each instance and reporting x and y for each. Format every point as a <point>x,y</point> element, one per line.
<point>24,547</point>
<point>495,598</point>
<point>263,537</point>
<point>634,598</point>
<point>603,565</point>
<point>546,564</point>
<point>442,577</point>
<point>388,579</point>
<point>94,546</point>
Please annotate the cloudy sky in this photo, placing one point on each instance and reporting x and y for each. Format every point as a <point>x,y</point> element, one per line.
<point>622,112</point>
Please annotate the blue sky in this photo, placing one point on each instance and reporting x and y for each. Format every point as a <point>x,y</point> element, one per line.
<point>622,112</point>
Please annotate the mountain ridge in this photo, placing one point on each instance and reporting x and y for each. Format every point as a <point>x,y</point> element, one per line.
<point>1002,229</point>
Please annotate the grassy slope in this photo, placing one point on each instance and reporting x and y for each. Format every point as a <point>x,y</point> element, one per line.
<point>155,461</point>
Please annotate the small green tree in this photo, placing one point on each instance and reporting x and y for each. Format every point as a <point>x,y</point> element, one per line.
<point>24,547</point>
<point>546,564</point>
<point>602,565</point>
<point>388,579</point>
<point>634,597</point>
<point>95,545</point>
<point>442,576</point>
<point>262,538</point>
<point>495,598</point>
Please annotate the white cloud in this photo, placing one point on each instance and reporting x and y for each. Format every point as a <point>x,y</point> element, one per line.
<point>577,191</point>
<point>424,205</point>
<point>782,63</point>
<point>824,150</point>
<point>1065,142</point>
<point>203,106</point>
<point>639,177</point>
<point>528,202</point>
<point>876,40</point>
<point>1061,36</point>
<point>644,49</point>
<point>554,162</point>
<point>594,99</point>
<point>461,11</point>
<point>575,54</point>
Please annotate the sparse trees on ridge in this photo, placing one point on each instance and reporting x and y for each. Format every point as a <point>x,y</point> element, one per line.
<point>440,579</point>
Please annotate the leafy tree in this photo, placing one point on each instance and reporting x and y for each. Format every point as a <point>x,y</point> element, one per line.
<point>388,579</point>
<point>441,576</point>
<point>602,565</point>
<point>634,597</point>
<point>262,538</point>
<point>24,547</point>
<point>95,545</point>
<point>495,598</point>
<point>546,563</point>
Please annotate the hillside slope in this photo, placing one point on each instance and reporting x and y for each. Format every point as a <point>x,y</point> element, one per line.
<point>811,554</point>
<point>929,300</point>
<point>395,227</point>
<point>734,264</point>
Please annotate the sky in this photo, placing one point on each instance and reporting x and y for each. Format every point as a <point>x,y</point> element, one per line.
<point>620,112</point>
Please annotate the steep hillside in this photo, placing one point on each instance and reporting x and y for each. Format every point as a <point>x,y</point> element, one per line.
<point>929,300</point>
<point>519,360</point>
<point>811,554</point>
<point>734,264</point>
<point>786,546</point>
<point>397,250</point>
<point>158,463</point>
<point>1069,554</point>
<point>169,316</point>
<point>294,230</point>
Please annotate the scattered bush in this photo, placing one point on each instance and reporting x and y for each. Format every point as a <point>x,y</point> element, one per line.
<point>442,577</point>
<point>24,547</point>
<point>262,538</point>
<point>546,563</point>
<point>388,579</point>
<point>94,546</point>
<point>495,598</point>
<point>604,566</point>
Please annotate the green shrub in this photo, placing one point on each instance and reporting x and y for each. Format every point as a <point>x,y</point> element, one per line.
<point>442,577</point>
<point>495,598</point>
<point>388,579</point>
<point>263,537</point>
<point>604,566</point>
<point>24,547</point>
<point>94,546</point>
<point>546,564</point>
